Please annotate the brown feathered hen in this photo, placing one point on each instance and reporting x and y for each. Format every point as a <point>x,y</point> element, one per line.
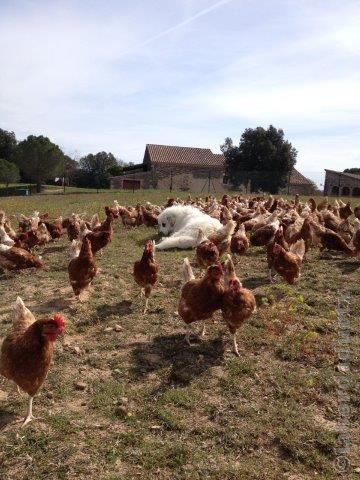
<point>146,271</point>
<point>27,351</point>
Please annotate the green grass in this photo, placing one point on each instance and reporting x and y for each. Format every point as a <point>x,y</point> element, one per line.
<point>154,407</point>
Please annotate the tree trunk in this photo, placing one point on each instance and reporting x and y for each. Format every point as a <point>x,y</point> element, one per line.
<point>38,187</point>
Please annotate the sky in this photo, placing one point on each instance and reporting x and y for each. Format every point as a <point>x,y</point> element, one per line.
<point>114,75</point>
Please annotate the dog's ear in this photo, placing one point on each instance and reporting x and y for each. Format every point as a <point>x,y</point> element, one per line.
<point>171,219</point>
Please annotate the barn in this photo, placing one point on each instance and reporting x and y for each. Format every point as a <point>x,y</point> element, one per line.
<point>191,169</point>
<point>175,168</point>
<point>341,183</point>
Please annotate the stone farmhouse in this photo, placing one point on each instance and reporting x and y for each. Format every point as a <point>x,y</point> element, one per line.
<point>192,169</point>
<point>341,183</point>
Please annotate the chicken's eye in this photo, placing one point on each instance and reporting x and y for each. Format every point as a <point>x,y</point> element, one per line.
<point>163,224</point>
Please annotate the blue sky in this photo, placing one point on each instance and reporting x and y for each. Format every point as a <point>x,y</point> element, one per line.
<point>114,75</point>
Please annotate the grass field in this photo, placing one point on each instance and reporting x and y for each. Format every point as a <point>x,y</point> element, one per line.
<point>153,407</point>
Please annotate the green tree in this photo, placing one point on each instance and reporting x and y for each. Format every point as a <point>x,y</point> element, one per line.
<point>39,159</point>
<point>7,144</point>
<point>355,171</point>
<point>9,172</point>
<point>98,168</point>
<point>263,158</point>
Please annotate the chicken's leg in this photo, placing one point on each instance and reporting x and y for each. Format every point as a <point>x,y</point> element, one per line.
<point>146,304</point>
<point>236,350</point>
<point>187,336</point>
<point>29,416</point>
<point>271,280</point>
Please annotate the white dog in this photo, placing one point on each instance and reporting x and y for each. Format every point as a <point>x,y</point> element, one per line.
<point>181,224</point>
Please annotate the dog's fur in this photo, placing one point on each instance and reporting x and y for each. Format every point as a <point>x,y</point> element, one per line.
<point>181,225</point>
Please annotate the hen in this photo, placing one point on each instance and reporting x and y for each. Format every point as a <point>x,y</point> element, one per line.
<point>207,252</point>
<point>288,264</point>
<point>330,240</point>
<point>15,258</point>
<point>102,236</point>
<point>82,269</point>
<point>356,236</point>
<point>238,303</point>
<point>200,298</point>
<point>146,271</point>
<point>239,241</point>
<point>262,236</point>
<point>27,351</point>
<point>222,238</point>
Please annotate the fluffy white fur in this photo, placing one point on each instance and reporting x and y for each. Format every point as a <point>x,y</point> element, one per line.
<point>181,226</point>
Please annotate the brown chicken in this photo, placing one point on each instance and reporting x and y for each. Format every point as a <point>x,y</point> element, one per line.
<point>149,219</point>
<point>288,264</point>
<point>15,258</point>
<point>207,252</point>
<point>239,242</point>
<point>238,303</point>
<point>73,229</point>
<point>280,240</point>
<point>102,236</point>
<point>345,211</point>
<point>82,269</point>
<point>27,351</point>
<point>330,240</point>
<point>262,236</point>
<point>222,238</point>
<point>356,236</point>
<point>200,298</point>
<point>146,271</point>
<point>55,228</point>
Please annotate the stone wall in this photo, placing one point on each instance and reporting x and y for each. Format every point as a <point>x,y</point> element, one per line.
<point>341,185</point>
<point>178,177</point>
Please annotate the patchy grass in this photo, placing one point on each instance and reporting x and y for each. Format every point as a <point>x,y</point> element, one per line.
<point>152,407</point>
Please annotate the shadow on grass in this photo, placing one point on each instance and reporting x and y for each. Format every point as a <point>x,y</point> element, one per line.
<point>254,282</point>
<point>55,249</point>
<point>349,266</point>
<point>6,417</point>
<point>120,309</point>
<point>185,362</point>
<point>151,236</point>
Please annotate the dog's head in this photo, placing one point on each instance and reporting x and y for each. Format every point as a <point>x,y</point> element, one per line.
<point>167,223</point>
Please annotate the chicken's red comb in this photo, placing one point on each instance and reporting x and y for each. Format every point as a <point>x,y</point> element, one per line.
<point>60,322</point>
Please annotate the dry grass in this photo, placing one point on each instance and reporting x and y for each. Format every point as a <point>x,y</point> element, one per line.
<point>156,408</point>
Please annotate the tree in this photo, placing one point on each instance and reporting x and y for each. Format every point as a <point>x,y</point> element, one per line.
<point>9,172</point>
<point>97,168</point>
<point>355,171</point>
<point>39,159</point>
<point>7,144</point>
<point>263,158</point>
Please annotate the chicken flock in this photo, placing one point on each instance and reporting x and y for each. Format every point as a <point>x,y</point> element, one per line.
<point>286,229</point>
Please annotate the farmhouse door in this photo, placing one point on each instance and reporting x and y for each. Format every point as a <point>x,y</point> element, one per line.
<point>129,184</point>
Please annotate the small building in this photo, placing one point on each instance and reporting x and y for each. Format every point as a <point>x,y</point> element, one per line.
<point>175,168</point>
<point>341,184</point>
<point>190,169</point>
<point>298,184</point>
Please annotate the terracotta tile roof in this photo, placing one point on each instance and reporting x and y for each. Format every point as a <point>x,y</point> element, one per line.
<point>345,174</point>
<point>168,154</point>
<point>296,178</point>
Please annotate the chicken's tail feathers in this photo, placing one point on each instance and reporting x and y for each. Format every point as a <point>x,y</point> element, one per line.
<point>298,248</point>
<point>19,304</point>
<point>187,273</point>
<point>22,315</point>
<point>229,270</point>
<point>94,220</point>
<point>230,227</point>
<point>201,236</point>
